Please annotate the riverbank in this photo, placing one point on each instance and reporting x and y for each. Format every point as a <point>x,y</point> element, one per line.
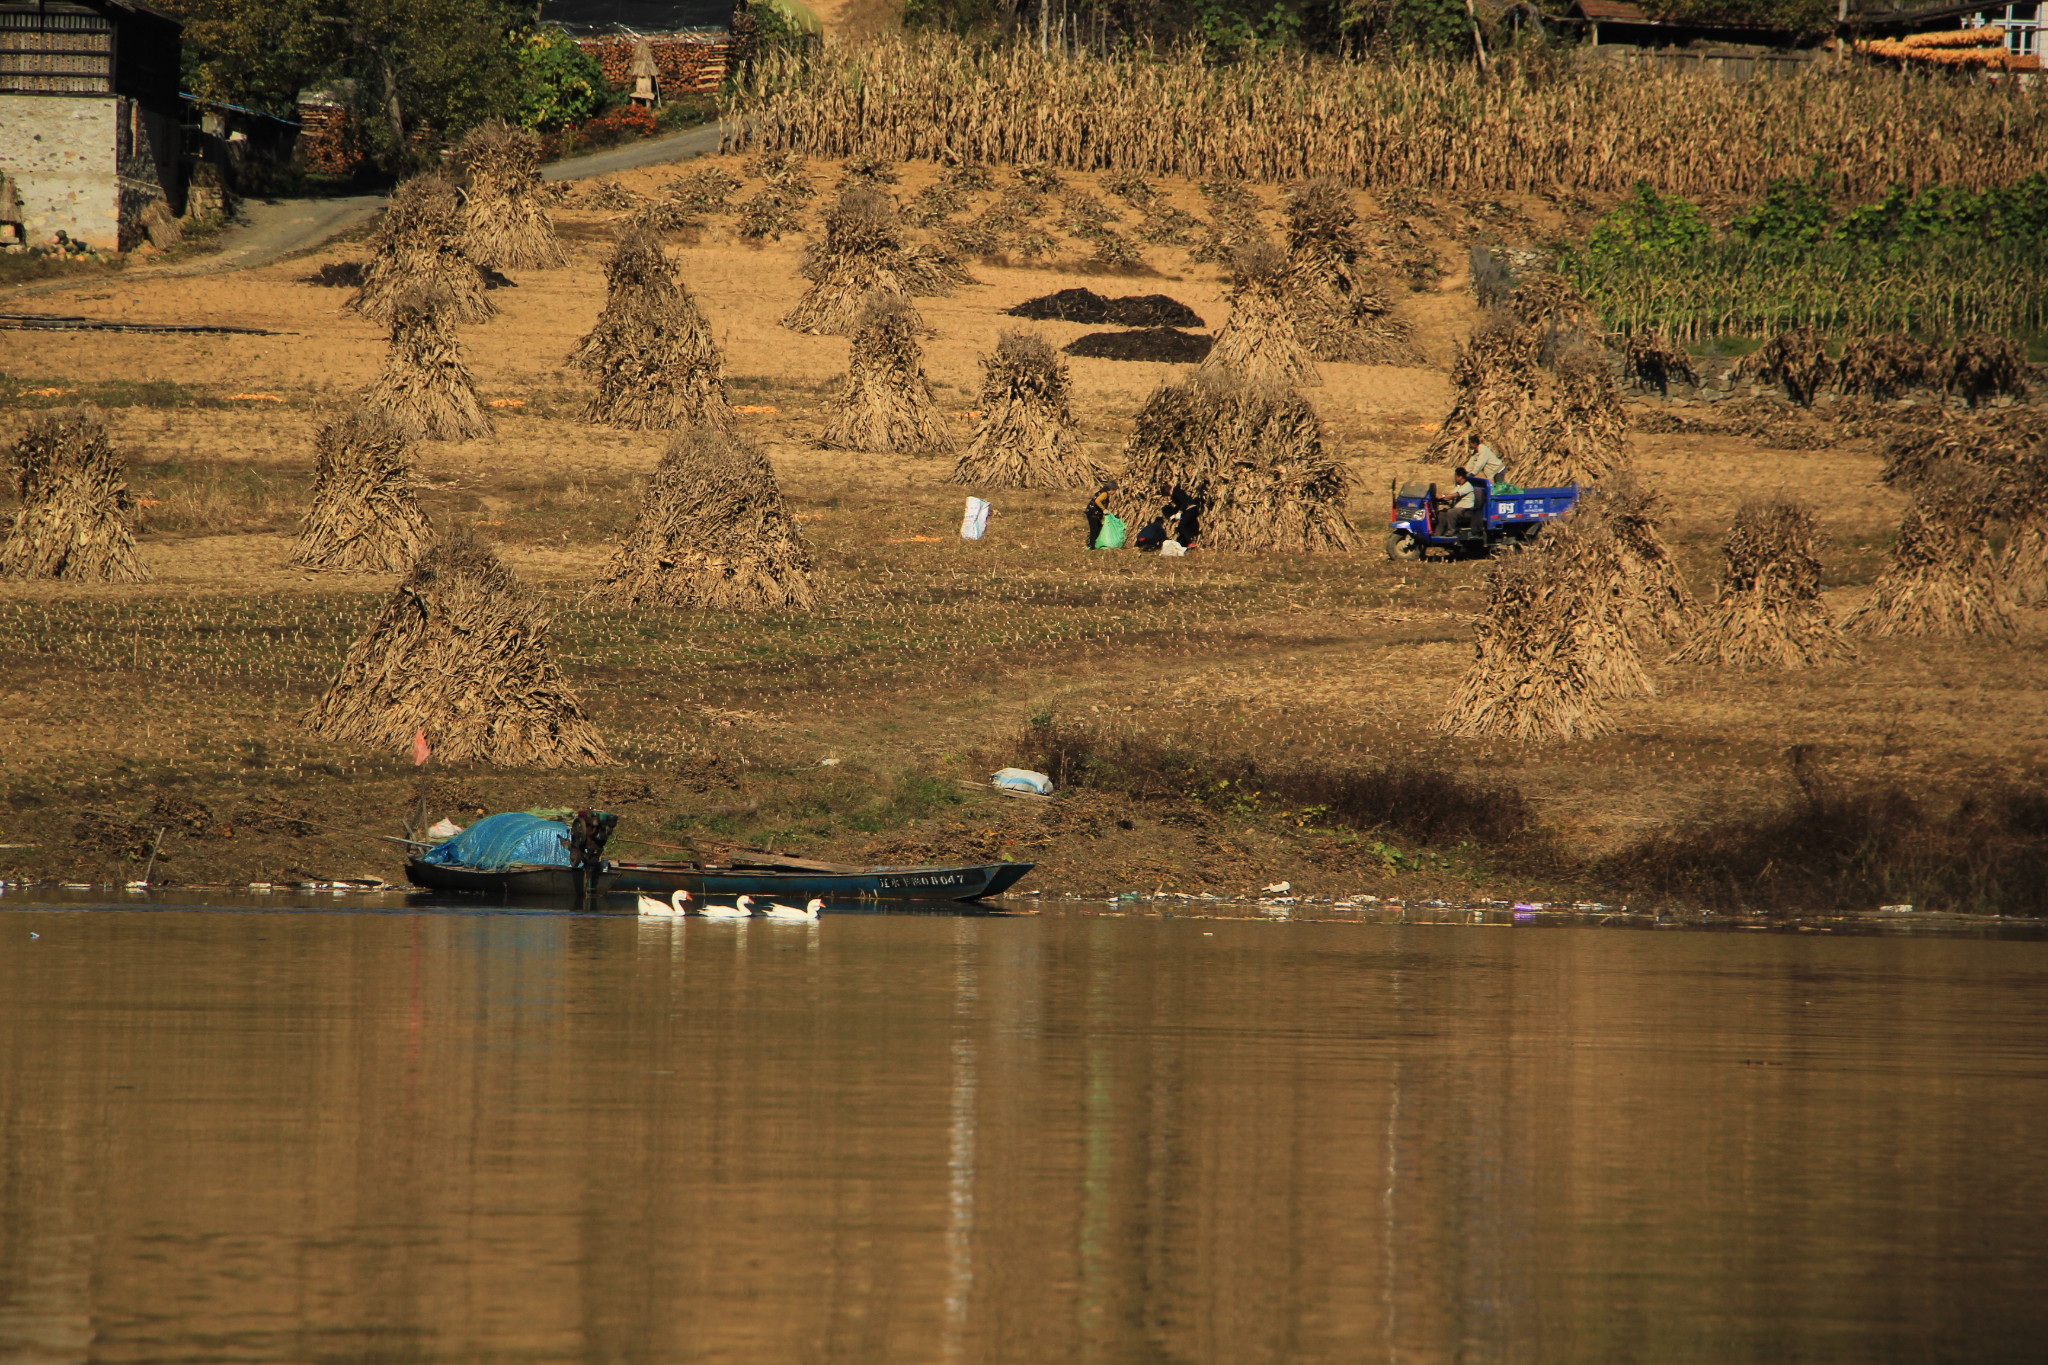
<point>868,730</point>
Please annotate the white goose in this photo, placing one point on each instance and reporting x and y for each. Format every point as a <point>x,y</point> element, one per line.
<point>743,910</point>
<point>650,908</point>
<point>790,913</point>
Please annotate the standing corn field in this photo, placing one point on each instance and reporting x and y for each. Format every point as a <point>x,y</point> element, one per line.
<point>1521,127</point>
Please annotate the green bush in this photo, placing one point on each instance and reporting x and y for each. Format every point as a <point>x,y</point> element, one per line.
<point>560,83</point>
<point>1791,211</point>
<point>1646,222</point>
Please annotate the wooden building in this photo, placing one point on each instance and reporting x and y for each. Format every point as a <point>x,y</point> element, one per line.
<point>89,118</point>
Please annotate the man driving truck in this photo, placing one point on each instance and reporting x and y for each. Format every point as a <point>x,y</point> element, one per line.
<point>1462,504</point>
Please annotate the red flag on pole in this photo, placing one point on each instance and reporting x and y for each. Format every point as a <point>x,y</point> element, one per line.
<point>420,751</point>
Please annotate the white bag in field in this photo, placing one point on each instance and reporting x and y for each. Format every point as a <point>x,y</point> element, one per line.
<point>976,520</point>
<point>1023,780</point>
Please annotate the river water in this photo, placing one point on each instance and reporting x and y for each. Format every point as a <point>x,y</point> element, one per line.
<point>349,1136</point>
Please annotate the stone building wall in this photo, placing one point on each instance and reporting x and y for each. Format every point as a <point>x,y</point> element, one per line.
<point>61,151</point>
<point>86,165</point>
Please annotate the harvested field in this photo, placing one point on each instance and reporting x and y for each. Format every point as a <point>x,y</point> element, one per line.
<point>926,657</point>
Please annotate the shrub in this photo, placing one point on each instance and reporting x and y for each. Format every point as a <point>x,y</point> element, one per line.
<point>560,83</point>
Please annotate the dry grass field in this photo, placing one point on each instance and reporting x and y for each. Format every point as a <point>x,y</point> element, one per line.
<point>175,704</point>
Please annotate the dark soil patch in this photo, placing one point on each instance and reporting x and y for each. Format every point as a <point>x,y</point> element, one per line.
<point>1153,343</point>
<point>1088,307</point>
<point>336,275</point>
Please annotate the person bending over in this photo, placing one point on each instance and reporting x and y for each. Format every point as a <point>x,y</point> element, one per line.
<point>1483,460</point>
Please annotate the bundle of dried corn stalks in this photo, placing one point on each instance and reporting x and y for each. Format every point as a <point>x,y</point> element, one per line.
<point>1026,435</point>
<point>1796,359</point>
<point>1257,342</point>
<point>651,354</point>
<point>504,224</point>
<point>1768,612</point>
<point>1252,455</point>
<point>1554,419</point>
<point>1340,311</point>
<point>1942,578</point>
<point>862,251</point>
<point>1655,600</point>
<point>460,652</point>
<point>1980,367</point>
<point>73,522</point>
<point>1554,645</point>
<point>1882,367</point>
<point>425,387</point>
<point>712,532</point>
<point>364,517</point>
<point>419,245</point>
<point>887,403</point>
<point>1655,359</point>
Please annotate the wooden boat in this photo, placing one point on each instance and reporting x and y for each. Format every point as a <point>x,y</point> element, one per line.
<point>763,876</point>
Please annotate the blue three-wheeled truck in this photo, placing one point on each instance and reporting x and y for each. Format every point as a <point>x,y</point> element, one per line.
<point>1512,521</point>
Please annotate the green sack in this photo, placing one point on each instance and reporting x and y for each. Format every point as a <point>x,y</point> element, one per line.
<point>1506,490</point>
<point>1111,536</point>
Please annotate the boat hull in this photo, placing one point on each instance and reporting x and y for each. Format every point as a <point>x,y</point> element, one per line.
<point>562,885</point>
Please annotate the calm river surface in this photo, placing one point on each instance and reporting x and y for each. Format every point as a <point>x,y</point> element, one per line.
<point>388,1137</point>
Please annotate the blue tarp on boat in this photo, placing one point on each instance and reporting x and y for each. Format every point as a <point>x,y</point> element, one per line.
<point>499,841</point>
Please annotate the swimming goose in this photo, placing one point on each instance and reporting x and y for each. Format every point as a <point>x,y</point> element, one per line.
<point>743,910</point>
<point>777,910</point>
<point>668,909</point>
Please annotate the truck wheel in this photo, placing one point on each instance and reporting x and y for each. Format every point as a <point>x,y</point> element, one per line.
<point>1401,545</point>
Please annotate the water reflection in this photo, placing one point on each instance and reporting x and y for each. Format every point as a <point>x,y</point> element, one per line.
<point>459,1138</point>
